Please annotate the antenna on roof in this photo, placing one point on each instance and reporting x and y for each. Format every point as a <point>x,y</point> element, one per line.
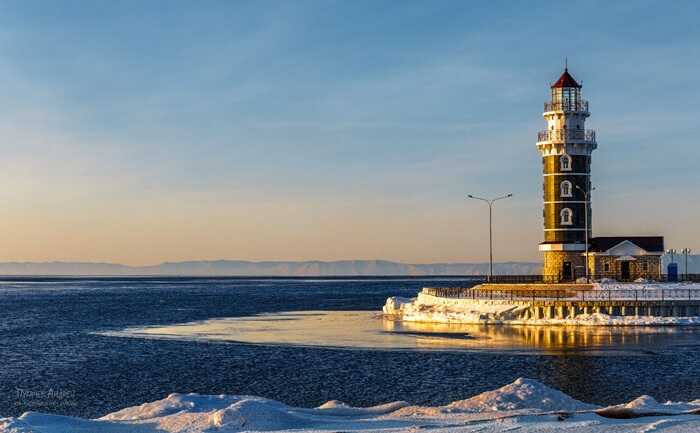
<point>566,63</point>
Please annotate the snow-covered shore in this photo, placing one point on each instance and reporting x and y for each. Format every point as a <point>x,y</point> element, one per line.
<point>524,405</point>
<point>432,309</point>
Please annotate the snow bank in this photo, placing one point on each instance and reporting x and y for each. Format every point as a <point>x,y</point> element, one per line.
<point>524,406</point>
<point>257,415</point>
<point>521,394</point>
<point>524,396</point>
<point>176,403</point>
<point>428,308</point>
<point>645,406</point>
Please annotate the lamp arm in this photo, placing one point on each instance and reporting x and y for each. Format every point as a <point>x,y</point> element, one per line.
<point>502,197</point>
<point>478,198</point>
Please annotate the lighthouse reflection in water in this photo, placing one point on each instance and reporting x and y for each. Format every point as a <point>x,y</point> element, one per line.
<point>370,330</point>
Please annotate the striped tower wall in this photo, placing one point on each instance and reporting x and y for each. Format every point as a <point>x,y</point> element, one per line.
<point>566,148</point>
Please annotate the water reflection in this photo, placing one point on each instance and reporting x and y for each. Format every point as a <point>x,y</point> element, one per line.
<point>553,339</point>
<point>369,330</point>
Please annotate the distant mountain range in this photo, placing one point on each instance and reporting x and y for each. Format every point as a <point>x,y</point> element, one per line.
<point>287,268</point>
<point>266,268</point>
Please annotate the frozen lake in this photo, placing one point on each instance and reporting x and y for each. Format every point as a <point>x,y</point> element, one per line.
<point>369,330</point>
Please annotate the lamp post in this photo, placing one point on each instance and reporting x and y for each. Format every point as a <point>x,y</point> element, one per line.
<point>490,202</point>
<point>672,252</point>
<point>685,252</point>
<point>585,216</point>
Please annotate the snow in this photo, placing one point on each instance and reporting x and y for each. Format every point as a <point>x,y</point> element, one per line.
<point>648,406</point>
<point>524,396</point>
<point>524,406</point>
<point>432,309</point>
<point>428,308</point>
<point>521,394</point>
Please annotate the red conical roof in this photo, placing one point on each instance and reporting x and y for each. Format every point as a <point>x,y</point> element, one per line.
<point>566,80</point>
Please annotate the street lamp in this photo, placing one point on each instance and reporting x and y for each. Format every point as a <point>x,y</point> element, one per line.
<point>672,252</point>
<point>685,252</point>
<point>585,213</point>
<point>490,202</point>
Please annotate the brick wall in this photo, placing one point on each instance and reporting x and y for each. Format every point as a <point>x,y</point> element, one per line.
<point>554,262</point>
<point>610,267</point>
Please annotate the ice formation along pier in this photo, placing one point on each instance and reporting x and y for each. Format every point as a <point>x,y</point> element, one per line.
<point>567,304</point>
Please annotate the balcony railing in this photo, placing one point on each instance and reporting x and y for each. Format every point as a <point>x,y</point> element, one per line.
<point>580,106</point>
<point>586,135</point>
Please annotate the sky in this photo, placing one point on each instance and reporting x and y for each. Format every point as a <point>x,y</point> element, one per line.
<point>148,131</point>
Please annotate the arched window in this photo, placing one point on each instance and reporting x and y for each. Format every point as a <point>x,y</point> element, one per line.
<point>566,216</point>
<point>565,163</point>
<point>565,189</point>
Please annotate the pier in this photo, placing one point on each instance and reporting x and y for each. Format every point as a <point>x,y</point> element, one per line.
<point>568,301</point>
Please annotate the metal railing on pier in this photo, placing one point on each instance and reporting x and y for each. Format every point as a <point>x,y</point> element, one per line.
<point>557,279</point>
<point>569,294</point>
<point>523,279</point>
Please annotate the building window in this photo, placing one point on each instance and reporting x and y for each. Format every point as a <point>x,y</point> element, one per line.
<point>565,189</point>
<point>645,267</point>
<point>606,267</point>
<point>565,163</point>
<point>566,217</point>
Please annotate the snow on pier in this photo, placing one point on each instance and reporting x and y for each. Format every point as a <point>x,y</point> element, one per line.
<point>573,304</point>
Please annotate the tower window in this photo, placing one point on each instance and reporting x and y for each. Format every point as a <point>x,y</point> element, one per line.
<point>565,163</point>
<point>565,189</point>
<point>566,216</point>
<point>607,267</point>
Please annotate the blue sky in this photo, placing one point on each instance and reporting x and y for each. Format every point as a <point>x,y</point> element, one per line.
<point>164,130</point>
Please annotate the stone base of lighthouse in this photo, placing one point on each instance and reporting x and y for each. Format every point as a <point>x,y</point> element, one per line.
<point>564,265</point>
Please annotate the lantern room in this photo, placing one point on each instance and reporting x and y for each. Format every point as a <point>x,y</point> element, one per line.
<point>566,93</point>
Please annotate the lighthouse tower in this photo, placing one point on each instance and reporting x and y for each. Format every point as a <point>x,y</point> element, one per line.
<point>566,146</point>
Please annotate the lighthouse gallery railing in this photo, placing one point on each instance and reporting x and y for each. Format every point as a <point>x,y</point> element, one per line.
<point>587,135</point>
<point>580,106</point>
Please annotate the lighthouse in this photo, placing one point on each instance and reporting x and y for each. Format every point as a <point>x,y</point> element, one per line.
<point>566,147</point>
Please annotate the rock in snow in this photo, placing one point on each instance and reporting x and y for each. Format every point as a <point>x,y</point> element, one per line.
<point>525,405</point>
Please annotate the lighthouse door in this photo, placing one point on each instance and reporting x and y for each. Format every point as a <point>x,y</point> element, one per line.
<point>625,271</point>
<point>567,271</point>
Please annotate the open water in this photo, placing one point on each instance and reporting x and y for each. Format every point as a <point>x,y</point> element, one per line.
<point>82,347</point>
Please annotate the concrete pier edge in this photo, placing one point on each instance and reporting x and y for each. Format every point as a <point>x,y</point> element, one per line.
<point>547,308</point>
